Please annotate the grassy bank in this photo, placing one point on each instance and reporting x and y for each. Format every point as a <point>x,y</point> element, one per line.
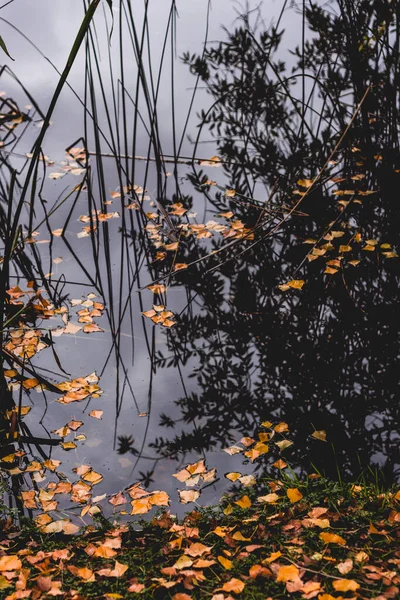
<point>277,539</point>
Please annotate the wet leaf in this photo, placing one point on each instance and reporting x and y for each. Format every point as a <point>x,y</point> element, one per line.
<point>96,414</point>
<point>319,435</point>
<point>296,284</point>
<point>187,496</point>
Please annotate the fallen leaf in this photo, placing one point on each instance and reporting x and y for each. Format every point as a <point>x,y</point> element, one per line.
<point>225,562</point>
<point>187,496</point>
<point>345,585</point>
<point>96,414</point>
<point>294,495</point>
<point>332,538</point>
<point>10,563</point>
<point>233,585</point>
<point>288,573</point>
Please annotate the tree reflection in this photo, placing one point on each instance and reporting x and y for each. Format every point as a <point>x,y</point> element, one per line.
<point>325,357</point>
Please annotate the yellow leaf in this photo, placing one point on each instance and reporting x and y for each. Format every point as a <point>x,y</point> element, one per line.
<point>225,562</point>
<point>244,502</point>
<point>68,445</point>
<point>294,495</point>
<point>332,538</point>
<point>231,476</point>
<point>141,506</point>
<point>183,562</point>
<point>93,477</point>
<point>240,537</point>
<point>159,499</point>
<point>320,435</point>
<point>296,284</point>
<point>345,585</point>
<point>281,427</point>
<point>272,557</point>
<point>345,248</point>
<point>283,444</point>
<point>305,182</point>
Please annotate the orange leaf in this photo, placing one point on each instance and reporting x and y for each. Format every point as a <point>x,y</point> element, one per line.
<point>244,502</point>
<point>345,585</point>
<point>332,538</point>
<point>225,562</point>
<point>10,563</point>
<point>294,495</point>
<point>83,573</point>
<point>288,573</point>
<point>233,585</point>
<point>96,414</point>
<point>198,549</point>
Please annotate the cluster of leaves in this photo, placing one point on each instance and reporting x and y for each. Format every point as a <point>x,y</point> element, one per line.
<point>285,538</point>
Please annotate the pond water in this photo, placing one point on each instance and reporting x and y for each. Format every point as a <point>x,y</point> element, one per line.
<point>235,349</point>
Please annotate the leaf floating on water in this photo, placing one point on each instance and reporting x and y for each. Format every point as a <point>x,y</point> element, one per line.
<point>74,425</point>
<point>96,414</point>
<point>187,496</point>
<point>180,266</point>
<point>93,477</point>
<point>68,445</point>
<point>296,284</point>
<point>214,161</point>
<point>283,444</point>
<point>233,450</point>
<point>157,288</point>
<point>305,182</point>
<point>319,435</point>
